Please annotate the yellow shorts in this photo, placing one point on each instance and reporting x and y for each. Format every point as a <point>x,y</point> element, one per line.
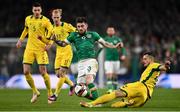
<point>63,59</point>
<point>136,92</point>
<point>40,56</point>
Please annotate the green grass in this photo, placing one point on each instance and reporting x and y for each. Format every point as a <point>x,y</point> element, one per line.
<point>19,100</point>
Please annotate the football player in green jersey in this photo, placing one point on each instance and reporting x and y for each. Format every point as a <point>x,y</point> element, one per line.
<point>112,59</point>
<point>84,41</point>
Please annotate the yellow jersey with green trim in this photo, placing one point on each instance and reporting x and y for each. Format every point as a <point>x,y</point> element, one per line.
<point>35,28</point>
<point>150,75</point>
<point>62,33</point>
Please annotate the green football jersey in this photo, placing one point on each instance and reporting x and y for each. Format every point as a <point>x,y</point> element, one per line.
<point>85,44</point>
<point>112,54</point>
<point>75,55</point>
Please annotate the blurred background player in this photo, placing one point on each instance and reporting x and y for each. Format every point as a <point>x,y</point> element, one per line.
<point>64,55</point>
<point>112,60</point>
<point>36,27</point>
<point>135,94</point>
<point>84,42</point>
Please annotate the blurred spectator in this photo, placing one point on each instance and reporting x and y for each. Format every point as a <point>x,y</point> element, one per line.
<point>4,74</point>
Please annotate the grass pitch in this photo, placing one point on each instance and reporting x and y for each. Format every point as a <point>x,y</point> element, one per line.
<point>19,100</point>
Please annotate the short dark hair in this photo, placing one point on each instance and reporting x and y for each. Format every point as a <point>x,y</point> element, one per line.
<point>148,53</point>
<point>81,20</point>
<point>111,25</point>
<point>36,4</point>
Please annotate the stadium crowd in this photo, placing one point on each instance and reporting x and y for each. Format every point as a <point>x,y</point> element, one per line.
<point>143,25</point>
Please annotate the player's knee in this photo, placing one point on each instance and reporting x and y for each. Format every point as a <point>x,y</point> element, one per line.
<point>89,79</point>
<point>60,73</point>
<point>26,69</point>
<point>109,75</point>
<point>42,70</point>
<point>120,93</point>
<point>26,72</point>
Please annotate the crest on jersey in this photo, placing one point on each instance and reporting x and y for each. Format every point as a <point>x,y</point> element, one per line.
<point>88,35</point>
<point>115,41</point>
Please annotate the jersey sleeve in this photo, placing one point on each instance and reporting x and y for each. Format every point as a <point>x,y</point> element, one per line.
<point>49,27</point>
<point>123,50</point>
<point>25,31</point>
<point>96,36</point>
<point>70,38</point>
<point>156,66</point>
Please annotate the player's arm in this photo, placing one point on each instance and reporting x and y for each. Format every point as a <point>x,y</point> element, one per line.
<point>59,42</point>
<point>67,41</point>
<point>123,52</point>
<point>109,45</point>
<point>47,40</point>
<point>62,43</point>
<point>165,67</point>
<point>49,27</point>
<point>22,37</point>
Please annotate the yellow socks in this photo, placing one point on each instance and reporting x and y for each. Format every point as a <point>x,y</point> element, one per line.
<point>59,85</point>
<point>104,98</point>
<point>119,104</point>
<point>30,81</point>
<point>68,81</point>
<point>47,83</point>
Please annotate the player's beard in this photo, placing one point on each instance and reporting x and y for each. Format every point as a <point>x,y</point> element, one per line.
<point>82,32</point>
<point>37,15</point>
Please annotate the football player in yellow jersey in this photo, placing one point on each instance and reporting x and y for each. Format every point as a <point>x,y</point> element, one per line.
<point>64,55</point>
<point>134,94</point>
<point>36,26</point>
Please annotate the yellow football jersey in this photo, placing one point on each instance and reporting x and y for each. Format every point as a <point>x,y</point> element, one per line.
<point>36,27</point>
<point>150,75</point>
<point>62,33</point>
<point>63,54</point>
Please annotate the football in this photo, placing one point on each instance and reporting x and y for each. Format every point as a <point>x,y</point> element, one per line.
<point>81,90</point>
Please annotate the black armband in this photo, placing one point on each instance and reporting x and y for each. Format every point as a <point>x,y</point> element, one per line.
<point>60,43</point>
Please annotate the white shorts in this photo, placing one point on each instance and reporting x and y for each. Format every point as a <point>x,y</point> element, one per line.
<point>74,68</point>
<point>112,66</point>
<point>87,67</point>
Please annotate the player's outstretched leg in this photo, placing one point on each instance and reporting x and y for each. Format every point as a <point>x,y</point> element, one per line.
<point>86,104</point>
<point>119,104</point>
<point>71,84</point>
<point>93,90</point>
<point>103,99</point>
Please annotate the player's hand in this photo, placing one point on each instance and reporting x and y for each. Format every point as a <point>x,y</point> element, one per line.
<point>119,45</point>
<point>39,37</point>
<point>47,47</point>
<point>53,37</point>
<point>167,64</point>
<point>123,57</point>
<point>19,44</point>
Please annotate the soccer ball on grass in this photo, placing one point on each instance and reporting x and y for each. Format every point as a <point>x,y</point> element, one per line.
<point>81,90</point>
